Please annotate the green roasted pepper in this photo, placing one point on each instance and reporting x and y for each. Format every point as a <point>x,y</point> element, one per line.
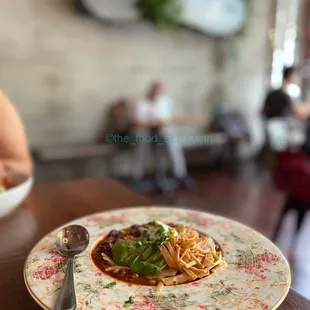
<point>143,256</point>
<point>147,253</point>
<point>154,258</point>
<point>145,269</point>
<point>125,252</point>
<point>121,251</point>
<point>161,262</point>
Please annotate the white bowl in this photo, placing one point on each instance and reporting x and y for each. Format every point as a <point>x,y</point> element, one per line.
<point>12,198</point>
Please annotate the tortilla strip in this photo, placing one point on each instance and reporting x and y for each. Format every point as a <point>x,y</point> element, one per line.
<point>203,250</point>
<point>201,255</point>
<point>182,229</point>
<point>169,272</point>
<point>191,274</point>
<point>209,259</point>
<point>203,244</point>
<point>182,278</point>
<point>160,286</point>
<point>178,252</point>
<point>184,253</point>
<point>192,238</point>
<point>197,261</point>
<point>198,271</point>
<point>215,264</point>
<point>220,265</point>
<point>167,256</point>
<point>187,265</point>
<point>171,250</point>
<point>172,240</point>
<point>188,255</point>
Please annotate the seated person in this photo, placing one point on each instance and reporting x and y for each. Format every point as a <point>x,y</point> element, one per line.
<point>151,115</point>
<point>14,152</point>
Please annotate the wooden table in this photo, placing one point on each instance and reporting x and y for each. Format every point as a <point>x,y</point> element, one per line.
<point>51,205</point>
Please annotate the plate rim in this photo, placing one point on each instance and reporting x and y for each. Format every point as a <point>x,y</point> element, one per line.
<point>276,306</point>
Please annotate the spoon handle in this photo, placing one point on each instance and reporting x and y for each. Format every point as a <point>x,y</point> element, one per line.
<point>66,299</point>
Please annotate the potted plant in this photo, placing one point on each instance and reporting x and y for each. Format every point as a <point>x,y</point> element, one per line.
<point>163,13</point>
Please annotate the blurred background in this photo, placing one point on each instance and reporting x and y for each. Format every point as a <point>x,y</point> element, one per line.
<point>65,64</point>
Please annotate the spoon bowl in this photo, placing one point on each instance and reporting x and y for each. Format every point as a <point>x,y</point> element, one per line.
<point>72,240</point>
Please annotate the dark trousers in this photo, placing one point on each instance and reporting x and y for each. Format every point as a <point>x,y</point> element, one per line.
<point>293,204</point>
<point>160,148</point>
<point>306,146</point>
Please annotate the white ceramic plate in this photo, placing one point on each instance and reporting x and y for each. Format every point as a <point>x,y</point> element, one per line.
<point>257,276</point>
<point>12,198</point>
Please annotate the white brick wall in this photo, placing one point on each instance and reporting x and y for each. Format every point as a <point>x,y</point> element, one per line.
<point>63,71</point>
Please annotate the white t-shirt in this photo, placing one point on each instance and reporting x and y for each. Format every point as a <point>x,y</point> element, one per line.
<point>285,132</point>
<point>158,109</point>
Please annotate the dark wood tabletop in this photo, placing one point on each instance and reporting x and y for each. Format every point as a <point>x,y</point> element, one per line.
<point>51,205</point>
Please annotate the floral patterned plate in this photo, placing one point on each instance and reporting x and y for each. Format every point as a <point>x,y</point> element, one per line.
<point>257,275</point>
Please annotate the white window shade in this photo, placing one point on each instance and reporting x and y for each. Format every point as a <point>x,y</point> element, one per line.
<point>284,38</point>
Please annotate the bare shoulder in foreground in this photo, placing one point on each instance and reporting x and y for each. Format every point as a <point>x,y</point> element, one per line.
<point>14,151</point>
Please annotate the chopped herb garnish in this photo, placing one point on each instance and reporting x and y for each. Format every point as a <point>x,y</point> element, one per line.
<point>128,302</point>
<point>171,230</point>
<point>161,239</point>
<point>110,284</point>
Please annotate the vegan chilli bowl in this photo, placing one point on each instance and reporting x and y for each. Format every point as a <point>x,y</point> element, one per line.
<point>157,254</point>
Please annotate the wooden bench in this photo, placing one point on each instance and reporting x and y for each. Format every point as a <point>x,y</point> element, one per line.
<point>72,161</point>
<point>215,140</point>
<point>55,158</point>
<point>79,151</point>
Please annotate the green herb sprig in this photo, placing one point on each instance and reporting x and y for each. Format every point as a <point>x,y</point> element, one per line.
<point>163,13</point>
<point>128,303</point>
<point>111,284</point>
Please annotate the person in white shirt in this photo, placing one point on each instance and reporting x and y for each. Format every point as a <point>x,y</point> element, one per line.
<point>286,115</point>
<point>151,116</point>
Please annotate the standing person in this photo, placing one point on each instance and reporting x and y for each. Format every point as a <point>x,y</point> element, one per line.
<point>286,101</point>
<point>291,173</point>
<point>151,116</point>
<point>14,152</point>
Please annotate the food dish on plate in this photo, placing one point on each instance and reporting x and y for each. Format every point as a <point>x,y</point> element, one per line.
<point>157,254</point>
<point>6,183</point>
<point>255,276</point>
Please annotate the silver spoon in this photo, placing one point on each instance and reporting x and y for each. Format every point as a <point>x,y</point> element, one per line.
<point>71,240</point>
